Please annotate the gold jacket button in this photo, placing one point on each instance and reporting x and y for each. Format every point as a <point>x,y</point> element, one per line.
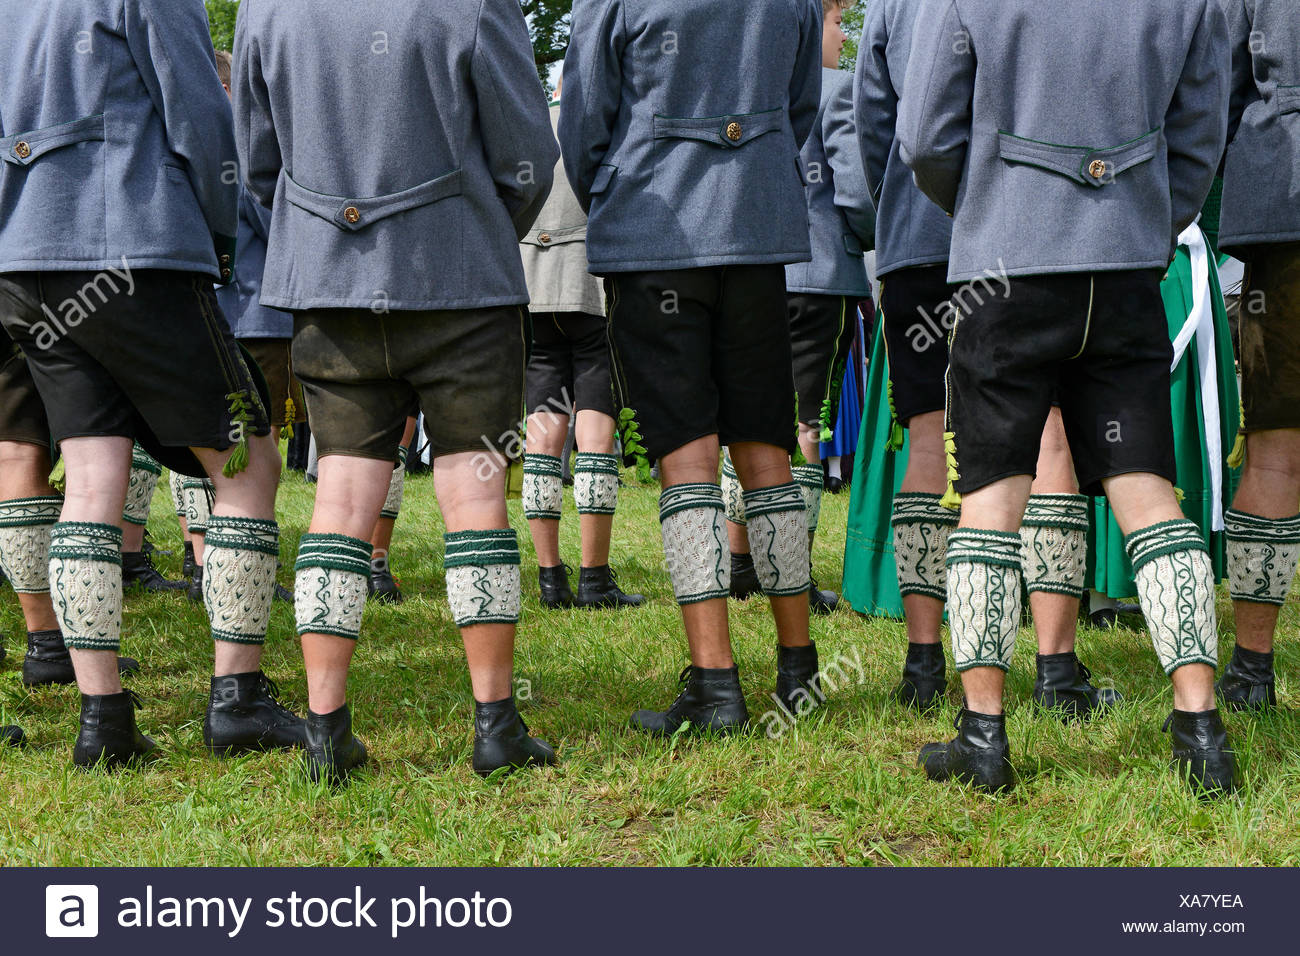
<point>1097,169</point>
<point>22,150</point>
<point>352,215</point>
<point>734,132</point>
<point>544,238</point>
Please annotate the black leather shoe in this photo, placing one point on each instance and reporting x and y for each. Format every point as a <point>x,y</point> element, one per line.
<point>744,579</point>
<point>501,739</point>
<point>187,563</point>
<point>979,754</point>
<point>1063,686</point>
<point>332,751</point>
<point>48,661</point>
<point>1202,754</point>
<point>244,714</point>
<point>923,684</point>
<point>1247,682</point>
<point>797,678</point>
<point>138,571</point>
<point>109,736</point>
<point>598,587</point>
<point>834,485</point>
<point>196,585</point>
<point>282,594</point>
<point>819,601</point>
<point>554,584</point>
<point>381,587</point>
<point>711,701</point>
<point>12,736</point>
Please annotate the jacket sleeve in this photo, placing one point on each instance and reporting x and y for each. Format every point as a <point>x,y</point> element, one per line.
<point>806,83</point>
<point>516,125</point>
<point>841,142</point>
<point>875,104</point>
<point>172,51</point>
<point>593,85</point>
<point>259,146</point>
<point>1196,123</point>
<point>1243,64</point>
<point>934,118</point>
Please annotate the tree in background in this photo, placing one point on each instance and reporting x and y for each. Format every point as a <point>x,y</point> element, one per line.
<point>853,27</point>
<point>221,21</point>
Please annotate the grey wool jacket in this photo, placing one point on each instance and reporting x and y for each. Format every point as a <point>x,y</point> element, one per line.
<point>116,142</point>
<point>1261,178</point>
<point>682,128</point>
<point>841,218</point>
<point>241,299</point>
<point>910,229</point>
<point>404,148</point>
<point>555,252</point>
<point>1065,137</point>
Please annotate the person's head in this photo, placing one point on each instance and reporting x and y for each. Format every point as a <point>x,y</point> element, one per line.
<point>223,69</point>
<point>833,37</point>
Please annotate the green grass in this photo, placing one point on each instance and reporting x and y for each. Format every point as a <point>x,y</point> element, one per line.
<point>842,788</point>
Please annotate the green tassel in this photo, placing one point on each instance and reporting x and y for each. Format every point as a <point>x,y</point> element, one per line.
<point>951,499</point>
<point>1179,494</point>
<point>241,417</point>
<point>630,437</point>
<point>59,477</point>
<point>827,433</point>
<point>1237,457</point>
<point>287,432</point>
<point>895,440</point>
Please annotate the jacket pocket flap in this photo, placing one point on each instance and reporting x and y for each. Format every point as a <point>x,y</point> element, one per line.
<point>604,176</point>
<point>555,237</point>
<point>356,214</point>
<point>852,245</point>
<point>1288,99</point>
<point>734,130</point>
<point>1083,164</point>
<point>23,149</point>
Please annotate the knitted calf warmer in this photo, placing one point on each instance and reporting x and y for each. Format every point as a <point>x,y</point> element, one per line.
<point>543,487</point>
<point>733,496</point>
<point>1175,584</point>
<point>86,584</point>
<point>393,503</point>
<point>177,482</point>
<point>595,483</point>
<point>139,491</point>
<point>330,584</point>
<point>778,538</point>
<point>811,484</point>
<point>483,576</point>
<point>197,494</point>
<point>694,531</point>
<point>239,560</point>
<point>1262,556</point>
<point>983,596</point>
<point>921,528</point>
<point>25,525</point>
<point>1054,535</point>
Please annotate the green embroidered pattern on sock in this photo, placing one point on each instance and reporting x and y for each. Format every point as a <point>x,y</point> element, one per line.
<point>543,491</point>
<point>778,538</point>
<point>483,584</point>
<point>694,534</point>
<point>733,496</point>
<point>330,584</point>
<point>198,493</point>
<point>595,483</point>
<point>139,495</point>
<point>1175,584</point>
<point>86,584</point>
<point>1262,556</point>
<point>921,528</point>
<point>393,502</point>
<point>239,577</point>
<point>1055,538</point>
<point>811,484</point>
<point>983,597</point>
<point>25,526</point>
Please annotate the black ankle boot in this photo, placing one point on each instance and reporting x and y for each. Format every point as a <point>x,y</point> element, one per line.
<point>187,563</point>
<point>244,714</point>
<point>282,594</point>
<point>554,583</point>
<point>819,601</point>
<point>12,736</point>
<point>1063,686</point>
<point>138,571</point>
<point>797,678</point>
<point>381,588</point>
<point>1202,754</point>
<point>48,661</point>
<point>195,592</point>
<point>598,587</point>
<point>1247,682</point>
<point>501,739</point>
<point>332,751</point>
<point>108,734</point>
<point>710,700</point>
<point>923,684</point>
<point>744,579</point>
<point>979,754</point>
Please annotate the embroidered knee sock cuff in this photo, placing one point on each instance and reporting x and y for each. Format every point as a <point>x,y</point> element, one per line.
<point>595,483</point>
<point>811,484</point>
<point>694,533</point>
<point>239,577</point>
<point>86,584</point>
<point>778,538</point>
<point>543,487</point>
<point>177,483</point>
<point>483,576</point>
<point>921,528</point>
<point>1262,556</point>
<point>198,504</point>
<point>25,526</point>
<point>1055,538</point>
<point>983,597</point>
<point>733,496</point>
<point>330,584</point>
<point>140,488</point>
<point>393,502</point>
<point>1175,584</point>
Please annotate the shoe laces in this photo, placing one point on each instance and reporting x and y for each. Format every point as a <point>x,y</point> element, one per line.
<point>1084,674</point>
<point>137,702</point>
<point>271,690</point>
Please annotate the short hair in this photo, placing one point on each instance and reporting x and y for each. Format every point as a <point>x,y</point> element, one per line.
<point>830,6</point>
<point>223,66</point>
